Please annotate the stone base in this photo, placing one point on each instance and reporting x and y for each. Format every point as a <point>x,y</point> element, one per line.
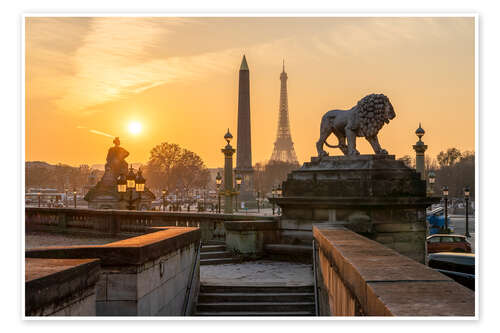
<point>247,238</point>
<point>374,195</point>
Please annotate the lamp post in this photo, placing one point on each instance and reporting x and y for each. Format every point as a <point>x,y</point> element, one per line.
<point>163,194</point>
<point>445,196</point>
<point>279,191</point>
<point>258,202</point>
<point>131,183</point>
<point>466,196</point>
<point>238,184</point>
<point>432,180</point>
<point>228,152</point>
<point>218,183</point>
<point>273,192</point>
<point>74,196</point>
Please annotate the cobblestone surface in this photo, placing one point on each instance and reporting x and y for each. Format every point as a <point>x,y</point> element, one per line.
<point>260,272</point>
<point>43,239</point>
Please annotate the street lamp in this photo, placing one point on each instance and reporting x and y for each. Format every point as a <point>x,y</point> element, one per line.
<point>130,183</point>
<point>218,183</point>
<point>163,194</point>
<point>273,192</point>
<point>238,184</point>
<point>229,190</point>
<point>279,192</point>
<point>74,196</point>
<point>466,196</point>
<point>445,196</point>
<point>432,180</point>
<point>258,202</point>
<point>140,184</point>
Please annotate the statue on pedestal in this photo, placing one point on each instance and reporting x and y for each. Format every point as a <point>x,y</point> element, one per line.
<point>104,195</point>
<point>365,119</point>
<point>116,159</point>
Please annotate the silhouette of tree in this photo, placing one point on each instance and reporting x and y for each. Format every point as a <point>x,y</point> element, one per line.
<point>456,170</point>
<point>171,166</point>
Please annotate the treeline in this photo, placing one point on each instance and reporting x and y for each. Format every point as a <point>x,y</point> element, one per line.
<point>59,176</point>
<point>452,168</point>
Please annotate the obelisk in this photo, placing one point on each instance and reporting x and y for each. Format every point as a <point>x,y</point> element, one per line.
<point>244,144</point>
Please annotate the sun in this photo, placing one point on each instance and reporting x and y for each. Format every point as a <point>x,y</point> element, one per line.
<point>134,127</point>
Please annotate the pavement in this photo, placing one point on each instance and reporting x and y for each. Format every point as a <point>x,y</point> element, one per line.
<point>259,272</point>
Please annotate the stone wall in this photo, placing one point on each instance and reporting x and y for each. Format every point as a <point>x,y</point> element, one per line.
<point>154,288</point>
<point>128,222</point>
<point>360,277</point>
<point>374,195</point>
<point>60,287</point>
<point>148,275</point>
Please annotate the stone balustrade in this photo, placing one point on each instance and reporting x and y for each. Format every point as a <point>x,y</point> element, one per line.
<point>146,275</point>
<point>361,277</point>
<point>123,221</point>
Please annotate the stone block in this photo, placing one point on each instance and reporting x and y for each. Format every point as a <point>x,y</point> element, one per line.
<point>321,214</point>
<point>116,308</point>
<point>101,286</point>
<point>121,287</point>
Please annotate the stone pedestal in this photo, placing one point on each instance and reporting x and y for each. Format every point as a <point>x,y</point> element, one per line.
<point>374,195</point>
<point>247,238</point>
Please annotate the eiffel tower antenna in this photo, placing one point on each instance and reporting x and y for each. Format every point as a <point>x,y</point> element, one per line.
<point>283,146</point>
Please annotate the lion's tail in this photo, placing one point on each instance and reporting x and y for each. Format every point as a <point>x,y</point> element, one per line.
<point>328,145</point>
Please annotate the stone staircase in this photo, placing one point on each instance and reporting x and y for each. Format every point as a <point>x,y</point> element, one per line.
<point>255,301</point>
<point>214,253</point>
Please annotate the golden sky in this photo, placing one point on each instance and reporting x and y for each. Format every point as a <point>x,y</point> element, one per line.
<point>178,78</point>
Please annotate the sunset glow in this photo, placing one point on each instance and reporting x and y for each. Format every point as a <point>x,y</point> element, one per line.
<point>134,128</point>
<point>182,73</point>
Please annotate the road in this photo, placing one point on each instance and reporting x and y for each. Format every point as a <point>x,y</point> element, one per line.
<point>457,223</point>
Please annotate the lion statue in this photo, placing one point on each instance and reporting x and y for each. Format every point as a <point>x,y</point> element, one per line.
<point>365,119</point>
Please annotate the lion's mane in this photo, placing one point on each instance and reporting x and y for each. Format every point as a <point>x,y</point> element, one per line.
<point>371,112</point>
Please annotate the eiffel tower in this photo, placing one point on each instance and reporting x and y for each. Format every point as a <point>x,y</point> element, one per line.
<point>283,146</point>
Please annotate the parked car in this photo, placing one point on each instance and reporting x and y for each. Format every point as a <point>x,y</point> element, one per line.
<point>447,243</point>
<point>458,266</point>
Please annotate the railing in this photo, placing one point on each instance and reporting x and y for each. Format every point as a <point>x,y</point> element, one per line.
<point>123,221</point>
<point>189,295</point>
<point>316,286</point>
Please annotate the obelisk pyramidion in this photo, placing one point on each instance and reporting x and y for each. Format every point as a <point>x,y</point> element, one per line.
<point>244,145</point>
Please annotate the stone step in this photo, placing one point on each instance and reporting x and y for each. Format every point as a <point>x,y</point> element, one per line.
<point>257,314</point>
<point>212,255</point>
<point>288,249</point>
<point>213,248</point>
<point>219,261</point>
<point>255,297</point>
<point>255,289</point>
<point>252,306</point>
<point>212,242</point>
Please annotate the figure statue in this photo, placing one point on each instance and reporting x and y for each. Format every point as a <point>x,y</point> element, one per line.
<point>115,160</point>
<point>365,119</point>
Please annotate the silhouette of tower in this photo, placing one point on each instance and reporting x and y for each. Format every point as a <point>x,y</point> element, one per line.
<point>283,146</point>
<point>244,144</point>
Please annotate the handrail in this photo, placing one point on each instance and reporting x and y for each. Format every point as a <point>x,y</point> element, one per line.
<point>316,303</point>
<point>187,298</point>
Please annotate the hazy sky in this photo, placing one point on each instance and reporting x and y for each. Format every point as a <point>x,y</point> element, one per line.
<point>178,78</point>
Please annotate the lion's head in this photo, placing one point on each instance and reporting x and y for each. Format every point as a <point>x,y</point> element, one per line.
<point>374,110</point>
